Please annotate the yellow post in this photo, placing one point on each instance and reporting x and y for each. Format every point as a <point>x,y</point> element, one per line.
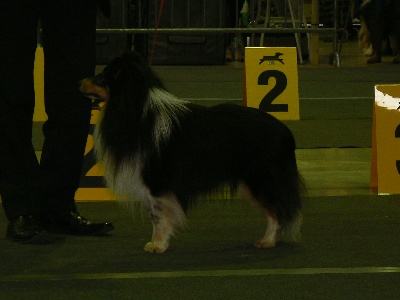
<point>314,36</point>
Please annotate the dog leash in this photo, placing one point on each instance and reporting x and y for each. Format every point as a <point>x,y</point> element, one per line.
<point>155,34</point>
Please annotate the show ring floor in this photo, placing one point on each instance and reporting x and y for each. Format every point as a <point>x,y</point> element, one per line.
<point>351,236</point>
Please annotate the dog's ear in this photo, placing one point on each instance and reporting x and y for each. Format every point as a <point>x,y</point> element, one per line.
<point>117,74</point>
<point>128,91</point>
<point>130,83</point>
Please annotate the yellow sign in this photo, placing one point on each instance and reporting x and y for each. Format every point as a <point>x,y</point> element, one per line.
<point>271,81</point>
<point>92,185</point>
<point>385,164</point>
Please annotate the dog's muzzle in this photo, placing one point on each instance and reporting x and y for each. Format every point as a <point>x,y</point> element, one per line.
<point>92,91</point>
<point>94,97</point>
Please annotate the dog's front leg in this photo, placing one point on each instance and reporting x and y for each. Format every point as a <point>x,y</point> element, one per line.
<point>162,231</point>
<point>165,214</point>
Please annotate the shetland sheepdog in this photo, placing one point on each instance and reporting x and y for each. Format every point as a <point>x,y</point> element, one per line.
<point>169,153</point>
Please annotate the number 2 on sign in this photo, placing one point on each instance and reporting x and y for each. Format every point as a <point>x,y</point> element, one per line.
<point>280,85</point>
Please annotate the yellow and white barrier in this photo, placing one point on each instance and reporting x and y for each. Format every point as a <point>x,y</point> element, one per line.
<point>385,162</point>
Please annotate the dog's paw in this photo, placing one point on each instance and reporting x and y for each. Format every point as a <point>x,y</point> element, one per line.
<point>264,244</point>
<point>155,247</point>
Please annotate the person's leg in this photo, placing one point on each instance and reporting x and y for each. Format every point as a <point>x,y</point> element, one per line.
<point>69,48</point>
<point>19,168</point>
<point>69,32</point>
<point>374,16</point>
<point>19,171</point>
<point>394,12</point>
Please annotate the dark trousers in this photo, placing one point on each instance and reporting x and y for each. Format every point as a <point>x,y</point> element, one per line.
<point>27,186</point>
<point>381,14</point>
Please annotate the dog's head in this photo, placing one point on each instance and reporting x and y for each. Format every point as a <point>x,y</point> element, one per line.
<point>126,78</point>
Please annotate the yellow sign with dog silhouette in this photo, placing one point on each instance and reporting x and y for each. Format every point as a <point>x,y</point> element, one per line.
<point>271,81</point>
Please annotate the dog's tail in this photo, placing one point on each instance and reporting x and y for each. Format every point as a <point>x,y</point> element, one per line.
<point>291,231</point>
<point>279,188</point>
<point>291,217</point>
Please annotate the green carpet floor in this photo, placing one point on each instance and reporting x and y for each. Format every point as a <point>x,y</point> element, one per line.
<point>346,242</point>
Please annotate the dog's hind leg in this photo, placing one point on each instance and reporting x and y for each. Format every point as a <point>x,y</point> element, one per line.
<point>271,234</point>
<point>165,213</point>
<point>270,237</point>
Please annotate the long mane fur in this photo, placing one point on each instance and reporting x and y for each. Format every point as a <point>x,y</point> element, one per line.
<point>135,124</point>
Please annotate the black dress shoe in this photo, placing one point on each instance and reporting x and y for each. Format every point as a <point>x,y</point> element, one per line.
<point>75,223</point>
<point>26,229</point>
